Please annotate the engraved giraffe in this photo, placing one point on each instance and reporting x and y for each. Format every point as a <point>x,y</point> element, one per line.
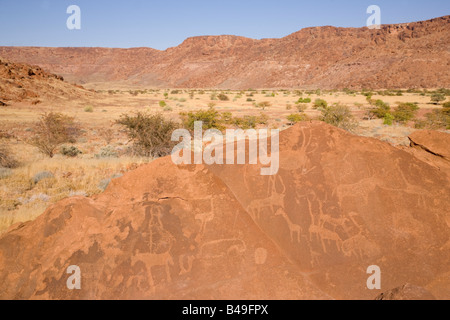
<point>272,201</point>
<point>293,227</point>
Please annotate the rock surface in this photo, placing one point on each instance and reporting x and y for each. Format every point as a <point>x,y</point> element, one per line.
<point>406,292</point>
<point>338,204</point>
<point>20,81</point>
<point>405,55</point>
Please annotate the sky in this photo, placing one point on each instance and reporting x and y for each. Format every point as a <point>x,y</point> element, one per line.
<point>163,24</point>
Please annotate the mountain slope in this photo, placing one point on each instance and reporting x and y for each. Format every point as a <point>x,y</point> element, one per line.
<point>403,55</point>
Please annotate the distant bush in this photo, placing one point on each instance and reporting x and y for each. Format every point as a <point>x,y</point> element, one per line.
<point>70,151</point>
<point>320,103</point>
<point>263,105</point>
<point>435,120</point>
<point>381,109</point>
<point>296,117</point>
<point>175,92</point>
<point>301,107</point>
<point>250,122</point>
<point>167,109</point>
<point>53,130</point>
<point>89,109</point>
<point>339,116</point>
<point>388,119</point>
<point>437,97</point>
<point>405,112</point>
<point>6,158</point>
<point>306,100</point>
<point>162,104</point>
<point>250,100</point>
<point>210,118</point>
<point>223,97</point>
<point>151,133</point>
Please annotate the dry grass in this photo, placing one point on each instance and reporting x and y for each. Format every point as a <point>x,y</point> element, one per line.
<point>22,200</point>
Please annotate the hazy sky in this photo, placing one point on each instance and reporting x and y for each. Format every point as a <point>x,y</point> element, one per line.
<point>163,24</point>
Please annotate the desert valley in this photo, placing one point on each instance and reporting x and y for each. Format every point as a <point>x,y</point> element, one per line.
<point>86,176</point>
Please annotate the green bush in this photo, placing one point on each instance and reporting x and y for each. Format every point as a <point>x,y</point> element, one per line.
<point>89,109</point>
<point>320,103</point>
<point>162,104</point>
<point>296,117</point>
<point>339,116</point>
<point>405,112</point>
<point>306,100</point>
<point>301,107</point>
<point>388,119</point>
<point>210,118</point>
<point>381,109</point>
<point>151,133</point>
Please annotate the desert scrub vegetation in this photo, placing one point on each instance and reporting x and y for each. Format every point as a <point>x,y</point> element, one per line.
<point>340,116</point>
<point>25,192</point>
<point>52,130</point>
<point>296,117</point>
<point>150,133</point>
<point>7,160</point>
<point>405,112</point>
<point>320,103</point>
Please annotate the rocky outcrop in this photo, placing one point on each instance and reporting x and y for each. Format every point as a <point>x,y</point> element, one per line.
<point>20,81</point>
<point>338,204</point>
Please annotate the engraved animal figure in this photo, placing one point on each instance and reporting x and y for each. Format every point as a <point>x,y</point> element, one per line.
<point>272,201</point>
<point>293,227</point>
<point>325,234</point>
<point>154,259</point>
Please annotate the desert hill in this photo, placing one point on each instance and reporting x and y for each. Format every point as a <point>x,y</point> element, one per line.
<point>396,56</point>
<point>20,81</point>
<point>338,204</point>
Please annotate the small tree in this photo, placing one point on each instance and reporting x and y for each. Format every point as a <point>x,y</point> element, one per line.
<point>223,97</point>
<point>339,116</point>
<point>264,104</point>
<point>405,112</point>
<point>52,130</point>
<point>437,97</point>
<point>320,103</point>
<point>150,133</point>
<point>296,117</point>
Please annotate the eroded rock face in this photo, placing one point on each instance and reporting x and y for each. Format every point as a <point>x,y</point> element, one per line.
<point>19,81</point>
<point>405,55</point>
<point>338,204</point>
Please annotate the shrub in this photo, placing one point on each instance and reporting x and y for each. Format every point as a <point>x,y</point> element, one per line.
<point>53,130</point>
<point>339,116</point>
<point>263,105</point>
<point>223,97</point>
<point>210,118</point>
<point>320,103</point>
<point>301,107</point>
<point>306,100</point>
<point>288,106</point>
<point>295,117</point>
<point>151,133</point>
<point>388,119</point>
<point>162,104</point>
<point>437,97</point>
<point>70,151</point>
<point>42,175</point>
<point>175,92</point>
<point>6,158</point>
<point>89,109</point>
<point>404,112</point>
<point>167,109</point>
<point>250,122</point>
<point>435,120</point>
<point>250,100</point>
<point>446,108</point>
<point>381,109</point>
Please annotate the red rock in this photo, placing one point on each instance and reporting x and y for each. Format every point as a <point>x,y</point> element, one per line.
<point>339,204</point>
<point>319,57</point>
